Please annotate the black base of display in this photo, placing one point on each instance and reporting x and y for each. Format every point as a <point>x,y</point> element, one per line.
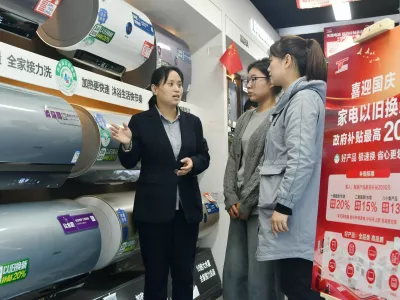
<point>130,285</point>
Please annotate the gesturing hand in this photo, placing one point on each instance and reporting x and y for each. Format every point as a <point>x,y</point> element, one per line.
<point>279,223</point>
<point>121,134</point>
<point>186,168</point>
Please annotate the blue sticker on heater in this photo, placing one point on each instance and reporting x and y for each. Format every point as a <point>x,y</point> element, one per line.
<point>100,120</point>
<point>122,216</point>
<point>212,208</point>
<point>102,15</point>
<point>142,24</point>
<point>205,218</point>
<point>125,231</point>
<point>129,27</point>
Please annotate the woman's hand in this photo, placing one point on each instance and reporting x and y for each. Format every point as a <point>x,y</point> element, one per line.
<point>121,134</point>
<point>234,211</point>
<point>186,168</point>
<point>279,223</point>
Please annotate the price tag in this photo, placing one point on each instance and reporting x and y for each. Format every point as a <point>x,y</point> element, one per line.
<point>146,50</point>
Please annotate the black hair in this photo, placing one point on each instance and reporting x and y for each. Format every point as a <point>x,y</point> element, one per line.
<point>249,104</point>
<point>262,65</point>
<point>160,77</point>
<point>307,54</point>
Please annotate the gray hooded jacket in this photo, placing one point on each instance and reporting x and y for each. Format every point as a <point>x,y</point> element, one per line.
<point>290,174</point>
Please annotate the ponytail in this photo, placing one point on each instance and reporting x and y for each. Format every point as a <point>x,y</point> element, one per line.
<point>153,101</point>
<point>308,55</point>
<point>316,68</point>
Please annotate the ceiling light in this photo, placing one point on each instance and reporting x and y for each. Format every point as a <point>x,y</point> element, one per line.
<point>342,11</point>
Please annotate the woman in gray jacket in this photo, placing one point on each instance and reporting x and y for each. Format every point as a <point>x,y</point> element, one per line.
<point>290,175</point>
<point>244,278</point>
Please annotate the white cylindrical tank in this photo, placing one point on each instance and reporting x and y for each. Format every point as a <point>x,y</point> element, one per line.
<point>110,35</point>
<point>98,161</point>
<point>41,139</point>
<point>33,10</point>
<point>119,235</point>
<point>44,243</point>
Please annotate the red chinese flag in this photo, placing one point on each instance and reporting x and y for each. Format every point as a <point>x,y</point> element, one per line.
<point>231,60</point>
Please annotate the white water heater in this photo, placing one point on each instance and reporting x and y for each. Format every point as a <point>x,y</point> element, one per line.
<point>210,217</point>
<point>109,35</point>
<point>98,161</point>
<point>45,243</point>
<point>41,138</point>
<point>23,17</point>
<point>118,233</point>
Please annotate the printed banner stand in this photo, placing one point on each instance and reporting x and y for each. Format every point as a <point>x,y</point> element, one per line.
<point>357,249</point>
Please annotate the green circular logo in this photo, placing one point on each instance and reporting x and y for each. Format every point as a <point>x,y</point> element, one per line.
<point>105,137</point>
<point>66,77</point>
<point>89,41</point>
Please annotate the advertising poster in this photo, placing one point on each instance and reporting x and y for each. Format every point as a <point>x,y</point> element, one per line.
<point>357,250</point>
<point>334,37</point>
<point>305,4</point>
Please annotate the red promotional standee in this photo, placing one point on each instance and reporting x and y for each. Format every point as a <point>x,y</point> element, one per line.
<point>358,238</point>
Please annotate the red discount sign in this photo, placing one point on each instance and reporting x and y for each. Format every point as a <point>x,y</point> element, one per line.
<point>359,207</point>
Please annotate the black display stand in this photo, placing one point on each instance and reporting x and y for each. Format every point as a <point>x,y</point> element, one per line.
<point>129,285</point>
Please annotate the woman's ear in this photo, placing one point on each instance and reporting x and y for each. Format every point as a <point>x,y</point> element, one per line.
<point>154,89</point>
<point>287,61</point>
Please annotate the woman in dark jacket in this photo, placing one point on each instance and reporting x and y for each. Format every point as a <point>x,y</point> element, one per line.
<point>168,207</point>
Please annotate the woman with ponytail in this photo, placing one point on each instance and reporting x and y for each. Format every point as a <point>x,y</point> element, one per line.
<point>290,174</point>
<point>168,206</point>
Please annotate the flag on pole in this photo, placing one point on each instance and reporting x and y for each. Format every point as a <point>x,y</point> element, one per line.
<point>231,60</point>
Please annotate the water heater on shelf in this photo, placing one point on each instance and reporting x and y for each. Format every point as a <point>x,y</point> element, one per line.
<point>44,244</point>
<point>109,35</point>
<point>118,233</point>
<point>98,161</point>
<point>40,137</point>
<point>23,17</point>
<point>170,50</point>
<point>173,51</point>
<point>210,216</point>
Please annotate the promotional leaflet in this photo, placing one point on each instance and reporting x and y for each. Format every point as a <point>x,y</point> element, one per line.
<point>336,37</point>
<point>358,239</point>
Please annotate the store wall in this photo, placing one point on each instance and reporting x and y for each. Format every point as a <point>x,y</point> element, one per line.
<point>208,94</point>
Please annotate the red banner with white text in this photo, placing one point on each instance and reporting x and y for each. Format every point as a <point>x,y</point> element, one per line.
<point>334,37</point>
<point>357,250</point>
<point>305,4</point>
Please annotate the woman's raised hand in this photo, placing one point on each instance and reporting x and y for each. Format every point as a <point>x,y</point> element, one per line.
<point>121,134</point>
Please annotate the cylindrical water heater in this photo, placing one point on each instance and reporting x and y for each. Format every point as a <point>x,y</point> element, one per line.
<point>110,35</point>
<point>33,10</point>
<point>169,50</point>
<point>119,236</point>
<point>98,161</point>
<point>45,243</point>
<point>210,217</point>
<point>40,137</point>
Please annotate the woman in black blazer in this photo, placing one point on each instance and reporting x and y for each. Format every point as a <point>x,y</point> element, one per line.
<point>168,207</point>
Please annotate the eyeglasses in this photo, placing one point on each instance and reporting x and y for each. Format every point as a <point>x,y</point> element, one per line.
<point>251,80</point>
